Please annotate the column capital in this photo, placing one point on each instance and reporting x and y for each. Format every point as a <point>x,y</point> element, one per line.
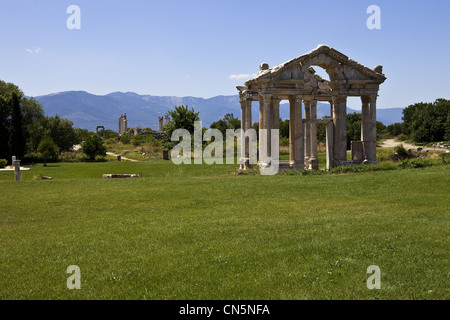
<point>266,96</point>
<point>276,99</point>
<point>365,99</point>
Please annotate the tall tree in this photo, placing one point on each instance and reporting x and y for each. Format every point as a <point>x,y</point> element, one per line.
<point>17,139</point>
<point>181,118</point>
<point>5,116</point>
<point>62,132</point>
<point>227,122</point>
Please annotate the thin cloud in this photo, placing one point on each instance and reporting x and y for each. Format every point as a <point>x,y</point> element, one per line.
<point>36,51</point>
<point>241,76</point>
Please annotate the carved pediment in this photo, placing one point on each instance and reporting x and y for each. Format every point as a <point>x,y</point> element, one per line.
<point>338,66</point>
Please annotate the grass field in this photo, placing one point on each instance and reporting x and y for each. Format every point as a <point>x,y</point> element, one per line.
<point>204,232</point>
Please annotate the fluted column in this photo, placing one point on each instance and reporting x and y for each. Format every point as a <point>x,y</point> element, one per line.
<point>365,123</point>
<point>296,144</point>
<point>275,110</point>
<point>340,129</point>
<point>313,161</point>
<point>307,133</point>
<point>371,153</point>
<point>265,139</point>
<point>248,126</point>
<point>243,129</point>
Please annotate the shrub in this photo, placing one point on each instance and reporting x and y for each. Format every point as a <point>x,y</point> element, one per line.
<point>417,163</point>
<point>402,137</point>
<point>401,152</point>
<point>125,138</point>
<point>3,163</point>
<point>93,146</point>
<point>48,149</point>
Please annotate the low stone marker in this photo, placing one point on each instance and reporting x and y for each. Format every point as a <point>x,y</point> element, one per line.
<point>165,154</point>
<point>120,176</point>
<point>16,165</point>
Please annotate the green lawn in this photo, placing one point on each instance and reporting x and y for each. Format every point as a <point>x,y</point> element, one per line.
<point>203,232</point>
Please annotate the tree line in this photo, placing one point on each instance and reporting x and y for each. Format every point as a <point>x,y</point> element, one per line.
<point>25,129</point>
<point>424,122</point>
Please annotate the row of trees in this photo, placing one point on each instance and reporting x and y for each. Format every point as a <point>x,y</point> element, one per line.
<point>25,129</point>
<point>424,122</point>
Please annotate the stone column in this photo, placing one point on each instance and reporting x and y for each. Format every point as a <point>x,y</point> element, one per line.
<point>160,124</point>
<point>329,134</point>
<point>16,165</point>
<point>268,126</point>
<point>307,133</point>
<point>275,113</point>
<point>313,160</point>
<point>248,125</point>
<point>299,153</point>
<point>365,124</point>
<point>340,129</point>
<point>371,152</point>
<point>296,144</point>
<point>331,108</point>
<point>243,129</point>
<point>261,126</point>
<point>292,121</point>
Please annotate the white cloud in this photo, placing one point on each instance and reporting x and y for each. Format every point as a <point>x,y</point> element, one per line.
<point>37,50</point>
<point>241,76</point>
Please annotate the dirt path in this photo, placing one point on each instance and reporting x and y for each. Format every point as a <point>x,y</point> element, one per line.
<point>391,143</point>
<point>123,158</point>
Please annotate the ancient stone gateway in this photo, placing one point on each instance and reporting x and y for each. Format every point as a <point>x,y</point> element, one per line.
<point>296,81</point>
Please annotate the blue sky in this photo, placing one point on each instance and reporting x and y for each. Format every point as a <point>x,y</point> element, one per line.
<point>205,48</point>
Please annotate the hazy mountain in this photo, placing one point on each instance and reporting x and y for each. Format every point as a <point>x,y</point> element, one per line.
<point>89,111</point>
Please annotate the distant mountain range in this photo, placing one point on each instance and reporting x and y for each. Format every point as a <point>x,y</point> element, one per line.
<point>88,111</point>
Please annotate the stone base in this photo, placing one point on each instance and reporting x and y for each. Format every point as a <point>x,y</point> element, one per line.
<point>120,176</point>
<point>369,162</point>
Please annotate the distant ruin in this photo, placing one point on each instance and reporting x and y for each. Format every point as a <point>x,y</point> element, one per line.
<point>123,129</point>
<point>123,125</point>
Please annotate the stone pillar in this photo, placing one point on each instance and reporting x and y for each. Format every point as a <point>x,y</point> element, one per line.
<point>265,140</point>
<point>275,113</point>
<point>331,108</point>
<point>296,144</point>
<point>160,123</point>
<point>16,165</point>
<point>313,160</point>
<point>261,126</point>
<point>248,125</point>
<point>340,130</point>
<point>243,129</point>
<point>365,125</point>
<point>299,153</point>
<point>329,137</point>
<point>292,121</point>
<point>307,133</point>
<point>370,149</point>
